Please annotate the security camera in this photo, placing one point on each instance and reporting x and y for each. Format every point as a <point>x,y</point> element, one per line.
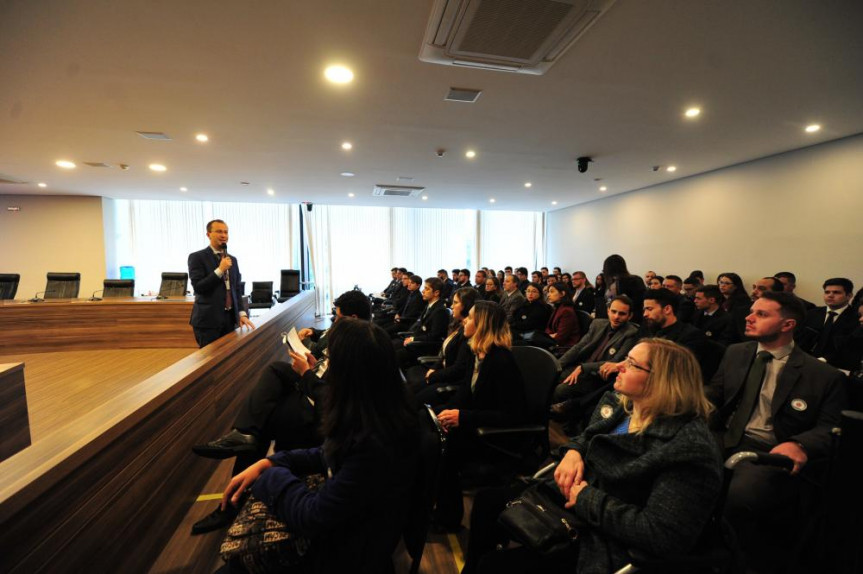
<point>582,163</point>
<point>309,206</point>
<point>440,152</point>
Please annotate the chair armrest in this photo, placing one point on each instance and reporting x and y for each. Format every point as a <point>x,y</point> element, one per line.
<point>424,347</point>
<point>427,360</point>
<point>405,334</point>
<point>508,431</point>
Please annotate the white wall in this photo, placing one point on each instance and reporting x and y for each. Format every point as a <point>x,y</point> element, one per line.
<point>52,233</point>
<point>801,211</point>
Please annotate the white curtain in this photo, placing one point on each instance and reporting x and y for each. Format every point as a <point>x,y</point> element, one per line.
<point>316,224</point>
<point>511,238</point>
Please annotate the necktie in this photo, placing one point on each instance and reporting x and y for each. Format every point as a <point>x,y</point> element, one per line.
<point>826,332</point>
<point>751,390</point>
<point>600,349</point>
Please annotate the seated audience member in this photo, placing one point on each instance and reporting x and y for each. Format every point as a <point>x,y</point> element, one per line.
<point>789,282</point>
<point>550,280</point>
<point>660,320</point>
<point>655,282</point>
<point>384,315</point>
<point>491,290</point>
<point>736,302</point>
<point>479,279</point>
<point>849,353</point>
<point>557,272</point>
<point>620,281</point>
<point>464,278</point>
<point>765,284</point>
<point>773,397</point>
<point>645,474</point>
<point>501,276</point>
<point>543,272</point>
<point>536,277</point>
<point>606,340</point>
<point>454,357</point>
<point>283,406</point>
<point>698,276</point>
<point>583,293</point>
<point>507,269</point>
<point>685,306</point>
<point>523,281</point>
<point>826,328</point>
<point>533,315</point>
<point>562,329</point>
<point>511,299</point>
<point>447,285</point>
<point>369,456</point>
<point>566,279</point>
<point>648,276</point>
<point>710,317</point>
<point>599,289</point>
<point>491,395</point>
<point>394,284</point>
<point>690,284</point>
<point>412,309</point>
<point>431,327</point>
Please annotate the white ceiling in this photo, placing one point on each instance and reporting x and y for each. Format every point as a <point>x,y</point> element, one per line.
<point>78,78</point>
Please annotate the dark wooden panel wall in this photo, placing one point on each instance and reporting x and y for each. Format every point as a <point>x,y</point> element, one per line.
<point>14,422</point>
<point>111,502</point>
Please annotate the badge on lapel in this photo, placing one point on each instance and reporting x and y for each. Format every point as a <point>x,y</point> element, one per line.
<point>708,333</point>
<point>606,411</point>
<point>799,405</point>
<point>611,352</point>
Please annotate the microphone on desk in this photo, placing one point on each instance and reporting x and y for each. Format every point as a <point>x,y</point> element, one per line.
<point>36,298</point>
<point>93,296</point>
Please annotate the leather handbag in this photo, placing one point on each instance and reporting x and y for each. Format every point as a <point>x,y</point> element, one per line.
<point>538,520</point>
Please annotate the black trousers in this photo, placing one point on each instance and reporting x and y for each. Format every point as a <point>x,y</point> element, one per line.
<point>206,336</point>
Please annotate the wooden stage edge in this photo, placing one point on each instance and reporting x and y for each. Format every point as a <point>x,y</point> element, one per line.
<point>106,492</point>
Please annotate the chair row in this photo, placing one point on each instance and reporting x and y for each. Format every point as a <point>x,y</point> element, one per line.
<point>68,285</point>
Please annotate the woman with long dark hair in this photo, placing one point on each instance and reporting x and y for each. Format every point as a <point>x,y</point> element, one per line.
<point>492,289</point>
<point>533,315</point>
<point>562,329</point>
<point>619,281</point>
<point>369,455</point>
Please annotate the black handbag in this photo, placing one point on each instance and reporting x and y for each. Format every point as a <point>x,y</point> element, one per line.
<point>538,520</point>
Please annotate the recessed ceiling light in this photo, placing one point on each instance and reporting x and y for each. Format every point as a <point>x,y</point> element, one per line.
<point>554,203</point>
<point>339,74</point>
<point>65,164</point>
<point>350,195</point>
<point>671,168</point>
<point>491,200</point>
<point>425,198</point>
<point>603,188</point>
<point>184,189</point>
<point>470,154</point>
<point>812,128</point>
<point>347,145</point>
<point>347,174</point>
<point>203,138</point>
<point>42,184</point>
<point>271,191</point>
<point>528,184</point>
<point>693,112</point>
<point>158,167</point>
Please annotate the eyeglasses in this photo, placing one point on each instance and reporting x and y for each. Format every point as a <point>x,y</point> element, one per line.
<point>726,283</point>
<point>630,364</point>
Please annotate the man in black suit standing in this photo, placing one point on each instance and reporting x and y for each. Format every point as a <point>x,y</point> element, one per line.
<point>219,306</point>
<point>826,328</point>
<point>772,397</point>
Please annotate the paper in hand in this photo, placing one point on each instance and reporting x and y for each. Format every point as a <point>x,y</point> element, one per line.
<point>295,343</point>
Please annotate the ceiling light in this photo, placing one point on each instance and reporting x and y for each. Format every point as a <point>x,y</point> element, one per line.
<point>347,145</point>
<point>693,112</point>
<point>425,198</point>
<point>202,138</point>
<point>350,195</point>
<point>603,188</point>
<point>184,189</point>
<point>339,74</point>
<point>42,184</point>
<point>491,200</point>
<point>158,167</point>
<point>271,192</point>
<point>671,168</point>
<point>528,184</point>
<point>65,164</point>
<point>347,174</point>
<point>470,154</point>
<point>554,203</point>
<point>812,128</point>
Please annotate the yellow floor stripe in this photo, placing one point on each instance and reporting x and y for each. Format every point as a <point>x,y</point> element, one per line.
<point>457,555</point>
<point>204,497</point>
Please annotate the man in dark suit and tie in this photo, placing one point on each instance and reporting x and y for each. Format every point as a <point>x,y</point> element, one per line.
<point>772,397</point>
<point>583,296</point>
<point>710,317</point>
<point>826,329</point>
<point>219,306</point>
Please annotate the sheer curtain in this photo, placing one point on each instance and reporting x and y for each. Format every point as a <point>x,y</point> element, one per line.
<point>511,238</point>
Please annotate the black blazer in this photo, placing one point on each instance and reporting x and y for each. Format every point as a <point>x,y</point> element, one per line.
<point>809,337</point>
<point>585,300</point>
<point>530,317</point>
<point>457,359</point>
<point>432,324</point>
<point>806,405</point>
<point>498,398</point>
<point>209,307</point>
<point>717,327</point>
<point>413,308</point>
<point>680,333</point>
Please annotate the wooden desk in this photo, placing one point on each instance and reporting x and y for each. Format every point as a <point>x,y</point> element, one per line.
<point>79,324</point>
<point>13,410</point>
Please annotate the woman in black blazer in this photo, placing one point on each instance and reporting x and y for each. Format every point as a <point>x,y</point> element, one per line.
<point>491,395</point>
<point>532,315</point>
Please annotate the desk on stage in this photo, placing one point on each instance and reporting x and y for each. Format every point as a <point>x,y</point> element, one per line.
<point>80,324</point>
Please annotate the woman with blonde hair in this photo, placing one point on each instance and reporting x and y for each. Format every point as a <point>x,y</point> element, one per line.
<point>645,473</point>
<point>491,395</point>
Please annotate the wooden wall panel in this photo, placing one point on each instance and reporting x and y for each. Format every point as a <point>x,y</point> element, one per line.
<point>14,422</point>
<point>111,502</point>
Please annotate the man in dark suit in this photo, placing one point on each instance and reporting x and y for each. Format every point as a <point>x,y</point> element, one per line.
<point>660,320</point>
<point>583,298</point>
<point>523,281</point>
<point>710,317</point>
<point>789,281</point>
<point>511,299</point>
<point>447,285</point>
<point>685,310</point>
<point>412,308</point>
<point>772,397</point>
<point>765,284</point>
<point>825,329</point>
<point>219,305</point>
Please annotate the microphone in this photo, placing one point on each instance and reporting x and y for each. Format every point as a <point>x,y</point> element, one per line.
<point>36,298</point>
<point>93,296</point>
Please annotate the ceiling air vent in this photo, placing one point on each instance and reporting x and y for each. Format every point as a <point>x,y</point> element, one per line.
<point>160,136</point>
<point>525,36</point>
<point>397,190</point>
<point>9,179</point>
<point>462,95</point>
<point>96,164</point>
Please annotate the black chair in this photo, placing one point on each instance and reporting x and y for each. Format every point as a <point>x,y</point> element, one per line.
<point>711,356</point>
<point>9,285</point>
<point>173,285</point>
<point>432,452</point>
<point>584,321</point>
<point>289,286</point>
<point>62,286</point>
<point>118,288</point>
<point>262,295</point>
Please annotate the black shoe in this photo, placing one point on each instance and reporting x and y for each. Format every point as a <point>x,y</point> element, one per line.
<point>215,520</point>
<point>231,444</point>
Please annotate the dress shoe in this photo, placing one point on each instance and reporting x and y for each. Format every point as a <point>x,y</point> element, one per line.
<point>231,444</point>
<point>215,520</point>
<point>560,411</point>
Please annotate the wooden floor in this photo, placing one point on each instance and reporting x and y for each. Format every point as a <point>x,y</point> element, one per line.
<point>64,386</point>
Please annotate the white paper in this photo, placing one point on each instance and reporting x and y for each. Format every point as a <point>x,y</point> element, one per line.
<point>295,343</point>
